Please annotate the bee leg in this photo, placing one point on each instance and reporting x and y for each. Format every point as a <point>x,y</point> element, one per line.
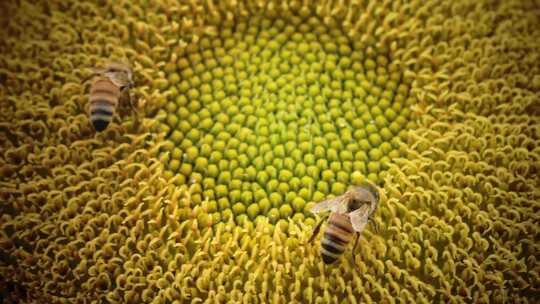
<point>126,91</point>
<point>317,229</point>
<point>376,227</point>
<point>354,250</point>
<point>133,107</point>
<point>85,79</point>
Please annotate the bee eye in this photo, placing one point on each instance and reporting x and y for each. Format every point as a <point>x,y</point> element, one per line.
<point>354,204</point>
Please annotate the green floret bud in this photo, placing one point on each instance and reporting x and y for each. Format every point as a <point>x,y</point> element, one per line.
<point>243,160</point>
<point>272,185</point>
<point>380,121</point>
<point>253,210</point>
<point>332,155</point>
<point>285,175</point>
<point>364,144</point>
<point>235,184</point>
<point>259,195</point>
<point>289,163</point>
<point>283,187</point>
<point>215,157</point>
<point>319,152</point>
<point>371,129</point>
<point>176,153</point>
<point>335,166</point>
<point>322,186</point>
<point>390,114</point>
<point>370,64</point>
<point>359,166</point>
<point>289,197</point>
<point>375,154</point>
<point>238,209</point>
<point>210,206</point>
<point>308,207</point>
<point>221,191</point>
<point>251,173</point>
<point>360,133</point>
<point>279,151</point>
<point>285,211</point>
<point>247,197</point>
<point>322,164</point>
<point>278,163</point>
<point>238,173</point>
<point>174,165</point>
<point>386,134</point>
<point>209,183</point>
<point>224,177</point>
<point>373,177</point>
<point>185,169</point>
<point>371,101</point>
<point>172,120</point>
<point>357,178</point>
<point>338,188</point>
<point>241,219</point>
<point>385,147</point>
<point>306,182</point>
<point>313,172</point>
<point>309,159</point>
<point>373,167</point>
<point>275,198</point>
<point>319,196</point>
<point>393,154</point>
<point>298,204</point>
<point>204,220</point>
<point>375,139</point>
<point>273,215</point>
<point>223,165</point>
<point>345,155</point>
<point>201,163</point>
<point>395,127</point>
<point>342,177</point>
<point>212,171</point>
<point>264,205</point>
<point>305,194</point>
<point>226,214</point>
<point>191,154</point>
<point>375,111</point>
<point>403,135</point>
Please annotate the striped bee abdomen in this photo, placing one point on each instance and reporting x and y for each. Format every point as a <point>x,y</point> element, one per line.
<point>337,235</point>
<point>104,96</point>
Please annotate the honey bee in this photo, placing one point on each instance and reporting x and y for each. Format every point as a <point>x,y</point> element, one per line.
<point>349,215</point>
<point>106,91</point>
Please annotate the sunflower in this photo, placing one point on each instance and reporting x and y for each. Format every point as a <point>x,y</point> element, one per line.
<point>250,112</point>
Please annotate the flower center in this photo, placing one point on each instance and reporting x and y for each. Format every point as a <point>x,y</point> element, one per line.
<point>273,115</point>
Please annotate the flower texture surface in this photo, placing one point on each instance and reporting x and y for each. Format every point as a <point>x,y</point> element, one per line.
<point>250,112</point>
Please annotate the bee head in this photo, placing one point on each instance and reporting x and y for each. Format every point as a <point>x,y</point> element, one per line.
<point>371,188</point>
<point>363,194</point>
<point>354,203</point>
<point>120,73</point>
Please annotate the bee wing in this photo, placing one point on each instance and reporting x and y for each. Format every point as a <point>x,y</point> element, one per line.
<point>366,193</point>
<point>333,204</point>
<point>359,217</point>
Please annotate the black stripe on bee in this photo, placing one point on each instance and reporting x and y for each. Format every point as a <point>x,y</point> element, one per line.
<point>100,124</point>
<point>330,247</point>
<point>104,91</point>
<point>328,259</point>
<point>335,238</point>
<point>101,111</point>
<point>342,227</point>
